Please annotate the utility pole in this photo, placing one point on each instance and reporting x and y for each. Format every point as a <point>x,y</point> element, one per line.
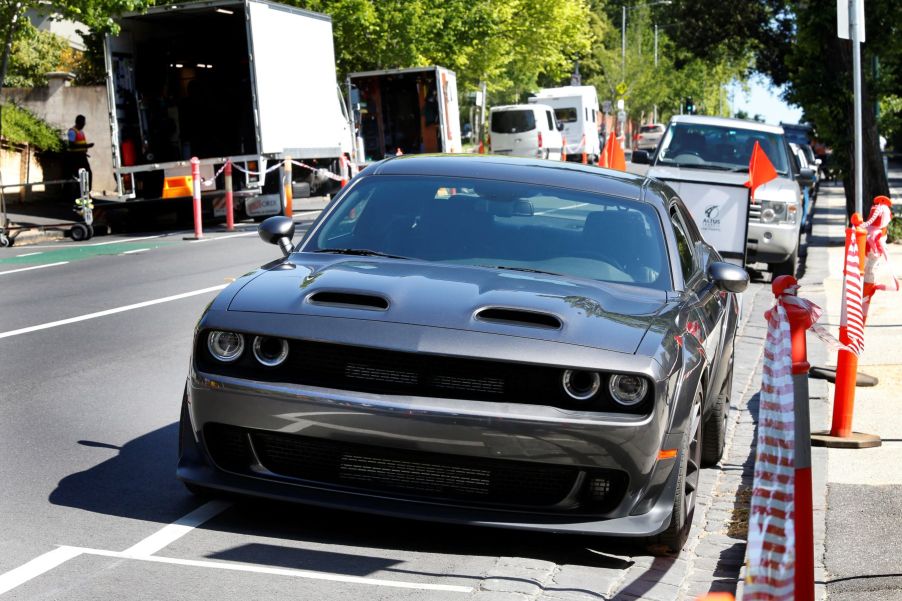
<point>654,118</point>
<point>856,84</point>
<point>623,46</point>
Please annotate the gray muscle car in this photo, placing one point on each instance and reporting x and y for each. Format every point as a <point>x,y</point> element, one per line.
<point>483,340</point>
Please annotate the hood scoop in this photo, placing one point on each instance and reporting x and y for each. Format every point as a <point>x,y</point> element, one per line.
<point>519,317</point>
<point>348,300</point>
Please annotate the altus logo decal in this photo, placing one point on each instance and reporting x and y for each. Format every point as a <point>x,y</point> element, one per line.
<point>712,218</point>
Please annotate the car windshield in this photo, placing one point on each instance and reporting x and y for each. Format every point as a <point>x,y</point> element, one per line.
<point>566,115</point>
<point>512,122</point>
<point>713,147</point>
<point>499,225</point>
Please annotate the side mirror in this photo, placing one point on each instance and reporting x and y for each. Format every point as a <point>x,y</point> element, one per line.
<point>729,277</point>
<point>641,157</point>
<point>278,230</point>
<point>806,176</point>
<point>560,126</point>
<point>818,162</point>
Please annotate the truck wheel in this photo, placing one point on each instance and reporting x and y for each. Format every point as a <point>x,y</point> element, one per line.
<point>4,241</point>
<point>79,232</point>
<point>787,267</point>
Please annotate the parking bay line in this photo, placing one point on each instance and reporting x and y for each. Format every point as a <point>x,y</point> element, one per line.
<point>260,569</point>
<point>33,267</point>
<point>62,322</point>
<point>144,549</point>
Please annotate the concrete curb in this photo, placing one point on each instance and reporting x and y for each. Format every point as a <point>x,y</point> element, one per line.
<point>36,235</point>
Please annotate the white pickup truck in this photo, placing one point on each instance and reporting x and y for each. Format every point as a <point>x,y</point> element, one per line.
<point>706,160</point>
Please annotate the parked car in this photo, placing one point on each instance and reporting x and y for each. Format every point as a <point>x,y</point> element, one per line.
<point>649,136</point>
<point>807,186</point>
<point>707,158</point>
<point>525,130</point>
<point>474,339</point>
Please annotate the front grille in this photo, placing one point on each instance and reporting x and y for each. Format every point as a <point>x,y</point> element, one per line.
<point>416,474</point>
<point>379,371</point>
<point>754,211</point>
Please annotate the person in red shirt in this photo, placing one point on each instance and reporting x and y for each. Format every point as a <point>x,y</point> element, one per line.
<point>78,150</point>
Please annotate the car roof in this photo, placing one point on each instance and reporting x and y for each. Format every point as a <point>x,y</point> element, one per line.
<point>575,176</point>
<point>727,122</point>
<point>520,107</point>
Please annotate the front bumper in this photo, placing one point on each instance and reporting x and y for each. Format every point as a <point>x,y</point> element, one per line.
<point>470,431</point>
<point>772,242</point>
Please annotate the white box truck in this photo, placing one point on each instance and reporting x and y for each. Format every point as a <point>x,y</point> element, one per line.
<point>249,80</point>
<point>577,108</point>
<point>408,110</point>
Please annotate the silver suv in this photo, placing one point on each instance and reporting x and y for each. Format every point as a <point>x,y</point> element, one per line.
<point>700,153</point>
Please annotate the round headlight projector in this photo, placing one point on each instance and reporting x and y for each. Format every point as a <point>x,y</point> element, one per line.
<point>225,346</point>
<point>270,351</point>
<point>627,390</point>
<point>581,385</point>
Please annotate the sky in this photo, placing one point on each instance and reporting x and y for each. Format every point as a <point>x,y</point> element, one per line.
<point>763,99</point>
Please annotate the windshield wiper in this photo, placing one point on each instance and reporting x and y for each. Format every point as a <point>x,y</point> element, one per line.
<point>360,252</point>
<point>525,269</point>
<point>703,166</point>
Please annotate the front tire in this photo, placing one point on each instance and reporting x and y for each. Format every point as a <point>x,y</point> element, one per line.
<point>714,432</point>
<point>671,541</point>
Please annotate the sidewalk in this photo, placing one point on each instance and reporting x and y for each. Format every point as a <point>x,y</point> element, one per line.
<point>857,493</point>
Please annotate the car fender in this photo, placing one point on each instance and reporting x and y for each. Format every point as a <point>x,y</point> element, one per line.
<point>690,378</point>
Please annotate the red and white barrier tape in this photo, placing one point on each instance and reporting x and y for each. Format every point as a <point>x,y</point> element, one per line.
<point>771,552</point>
<point>323,172</point>
<point>789,298</point>
<point>257,173</point>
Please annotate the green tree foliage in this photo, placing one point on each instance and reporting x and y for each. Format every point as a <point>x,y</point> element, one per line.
<point>34,53</point>
<point>22,127</point>
<point>510,44</point>
<point>677,75</point>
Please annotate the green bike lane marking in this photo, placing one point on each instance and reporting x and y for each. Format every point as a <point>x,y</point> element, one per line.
<point>79,253</point>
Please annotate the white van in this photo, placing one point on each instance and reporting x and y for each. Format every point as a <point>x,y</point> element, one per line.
<point>577,108</point>
<point>525,130</point>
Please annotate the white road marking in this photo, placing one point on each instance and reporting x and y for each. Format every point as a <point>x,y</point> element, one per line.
<point>40,252</point>
<point>259,569</point>
<point>176,530</point>
<point>576,206</point>
<point>62,322</point>
<point>34,267</point>
<point>36,567</point>
<point>121,240</point>
<point>224,236</point>
<point>135,251</point>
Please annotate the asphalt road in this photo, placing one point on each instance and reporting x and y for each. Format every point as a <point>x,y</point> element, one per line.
<point>94,348</point>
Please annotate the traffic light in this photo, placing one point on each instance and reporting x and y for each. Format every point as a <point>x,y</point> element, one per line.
<point>690,106</point>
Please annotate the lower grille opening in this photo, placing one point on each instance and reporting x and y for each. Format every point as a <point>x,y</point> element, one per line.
<point>417,474</point>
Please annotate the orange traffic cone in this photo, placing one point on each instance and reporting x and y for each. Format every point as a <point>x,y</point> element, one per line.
<point>585,159</point>
<point>481,147</point>
<point>563,148</point>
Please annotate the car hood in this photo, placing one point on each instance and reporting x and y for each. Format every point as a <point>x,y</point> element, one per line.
<point>594,314</point>
<point>782,188</point>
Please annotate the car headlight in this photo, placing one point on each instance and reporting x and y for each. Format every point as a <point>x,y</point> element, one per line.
<point>225,346</point>
<point>270,351</point>
<point>580,384</point>
<point>628,390</point>
<point>780,212</point>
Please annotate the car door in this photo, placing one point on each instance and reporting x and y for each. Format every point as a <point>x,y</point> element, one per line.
<point>705,321</point>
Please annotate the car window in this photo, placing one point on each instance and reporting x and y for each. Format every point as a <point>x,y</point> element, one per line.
<point>684,244</point>
<point>492,223</point>
<point>550,118</point>
<point>715,147</point>
<point>514,121</point>
<point>566,114</point>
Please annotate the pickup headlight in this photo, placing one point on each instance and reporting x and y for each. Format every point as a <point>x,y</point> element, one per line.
<point>778,212</point>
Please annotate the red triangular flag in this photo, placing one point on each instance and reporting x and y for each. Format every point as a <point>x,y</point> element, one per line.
<point>612,155</point>
<point>761,170</point>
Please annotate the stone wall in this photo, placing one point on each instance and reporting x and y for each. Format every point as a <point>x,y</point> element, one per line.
<point>58,104</point>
